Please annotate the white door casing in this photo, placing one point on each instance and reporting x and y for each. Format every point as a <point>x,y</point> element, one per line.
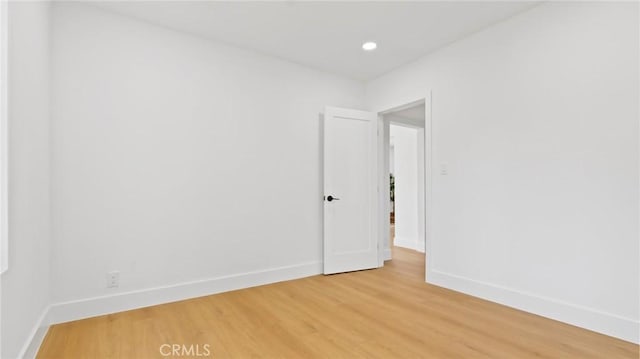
<point>350,175</point>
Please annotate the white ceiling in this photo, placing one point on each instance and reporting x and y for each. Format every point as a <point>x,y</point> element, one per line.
<point>328,35</point>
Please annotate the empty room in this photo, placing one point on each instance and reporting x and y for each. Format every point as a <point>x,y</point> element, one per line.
<point>319,179</point>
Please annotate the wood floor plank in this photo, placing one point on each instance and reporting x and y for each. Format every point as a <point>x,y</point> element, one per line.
<point>382,313</point>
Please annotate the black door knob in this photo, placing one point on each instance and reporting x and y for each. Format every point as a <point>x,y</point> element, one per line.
<point>332,198</point>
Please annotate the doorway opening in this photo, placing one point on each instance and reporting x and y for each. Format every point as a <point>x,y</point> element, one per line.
<point>404,160</point>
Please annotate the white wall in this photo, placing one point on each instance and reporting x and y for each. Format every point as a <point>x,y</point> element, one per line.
<point>537,118</point>
<point>169,142</point>
<point>177,159</point>
<point>407,233</point>
<point>25,285</point>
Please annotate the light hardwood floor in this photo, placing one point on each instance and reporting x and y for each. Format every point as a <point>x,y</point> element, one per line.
<point>381,313</point>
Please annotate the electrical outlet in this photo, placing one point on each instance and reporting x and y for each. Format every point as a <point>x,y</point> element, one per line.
<point>113,279</point>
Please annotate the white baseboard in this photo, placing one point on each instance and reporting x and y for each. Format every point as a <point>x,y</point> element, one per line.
<point>588,318</point>
<point>91,307</point>
<point>410,243</point>
<point>387,254</point>
<point>39,330</point>
<point>605,323</point>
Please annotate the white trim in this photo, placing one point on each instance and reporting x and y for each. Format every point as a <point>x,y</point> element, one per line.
<point>108,304</point>
<point>428,185</point>
<point>580,316</point>
<point>36,336</point>
<point>384,181</point>
<point>384,208</point>
<point>4,137</point>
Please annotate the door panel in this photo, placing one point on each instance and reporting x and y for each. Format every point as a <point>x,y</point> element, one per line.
<point>350,228</point>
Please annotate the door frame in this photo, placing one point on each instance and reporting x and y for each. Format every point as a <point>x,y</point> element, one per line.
<point>4,137</point>
<point>383,178</point>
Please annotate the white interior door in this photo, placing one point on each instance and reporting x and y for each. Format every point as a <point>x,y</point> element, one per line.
<point>350,190</point>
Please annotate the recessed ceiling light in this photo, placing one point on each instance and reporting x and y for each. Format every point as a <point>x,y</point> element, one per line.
<point>369,46</point>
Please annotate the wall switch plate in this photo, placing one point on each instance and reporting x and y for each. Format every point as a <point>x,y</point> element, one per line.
<point>444,169</point>
<point>113,279</point>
